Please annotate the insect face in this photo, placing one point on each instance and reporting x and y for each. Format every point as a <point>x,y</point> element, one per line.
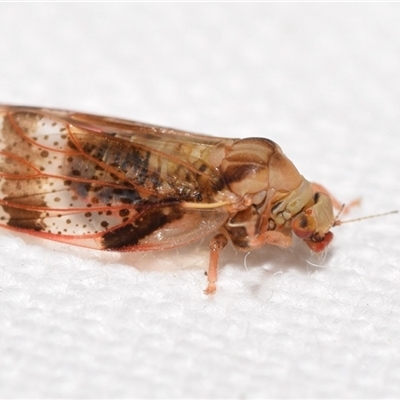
<point>314,223</point>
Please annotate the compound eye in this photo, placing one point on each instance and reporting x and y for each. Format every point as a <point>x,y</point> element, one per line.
<point>304,225</point>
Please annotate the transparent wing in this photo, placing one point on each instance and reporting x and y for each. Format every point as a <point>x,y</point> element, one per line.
<point>103,183</point>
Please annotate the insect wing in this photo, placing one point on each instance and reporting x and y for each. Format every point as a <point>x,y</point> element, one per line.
<point>104,183</point>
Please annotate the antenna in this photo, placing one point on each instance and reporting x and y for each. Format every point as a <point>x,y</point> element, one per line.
<point>338,222</point>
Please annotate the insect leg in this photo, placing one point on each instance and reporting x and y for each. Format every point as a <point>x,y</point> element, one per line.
<point>217,243</point>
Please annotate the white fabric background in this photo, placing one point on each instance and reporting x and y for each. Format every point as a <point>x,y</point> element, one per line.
<point>322,80</point>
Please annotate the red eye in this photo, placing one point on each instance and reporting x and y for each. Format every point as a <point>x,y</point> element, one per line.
<point>303,226</point>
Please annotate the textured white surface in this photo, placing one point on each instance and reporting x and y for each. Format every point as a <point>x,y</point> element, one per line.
<point>323,80</point>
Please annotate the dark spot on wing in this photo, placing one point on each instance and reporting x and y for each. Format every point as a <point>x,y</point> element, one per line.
<point>131,234</point>
<point>24,218</point>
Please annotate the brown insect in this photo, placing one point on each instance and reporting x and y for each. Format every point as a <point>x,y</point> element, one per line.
<point>117,185</point>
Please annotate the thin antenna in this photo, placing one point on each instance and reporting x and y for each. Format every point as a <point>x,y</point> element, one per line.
<point>338,222</point>
<point>342,207</point>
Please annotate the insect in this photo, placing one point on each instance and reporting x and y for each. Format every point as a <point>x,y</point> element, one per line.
<point>112,184</point>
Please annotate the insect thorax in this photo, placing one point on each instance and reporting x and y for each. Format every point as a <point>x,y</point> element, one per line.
<point>256,170</point>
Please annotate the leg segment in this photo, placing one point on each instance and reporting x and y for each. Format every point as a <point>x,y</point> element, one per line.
<point>217,243</point>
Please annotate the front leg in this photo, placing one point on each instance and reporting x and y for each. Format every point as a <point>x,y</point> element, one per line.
<point>274,238</point>
<point>217,243</point>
